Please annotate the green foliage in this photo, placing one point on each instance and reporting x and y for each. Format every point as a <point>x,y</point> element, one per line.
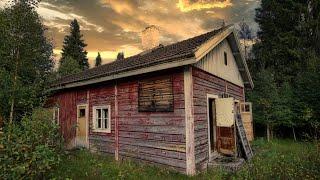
<point>288,47</point>
<point>278,159</point>
<point>31,147</point>
<point>73,46</point>
<point>69,66</point>
<point>25,58</point>
<point>98,60</point>
<point>265,98</point>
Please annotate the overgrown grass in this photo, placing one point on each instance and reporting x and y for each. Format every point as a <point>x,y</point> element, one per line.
<point>279,159</point>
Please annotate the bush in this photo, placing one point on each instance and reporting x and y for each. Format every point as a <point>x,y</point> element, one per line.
<point>32,147</point>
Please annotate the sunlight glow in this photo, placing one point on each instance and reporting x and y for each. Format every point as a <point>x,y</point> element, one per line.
<point>187,5</point>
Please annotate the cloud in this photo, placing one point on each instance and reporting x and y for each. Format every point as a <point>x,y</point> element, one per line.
<point>52,13</point>
<point>189,5</point>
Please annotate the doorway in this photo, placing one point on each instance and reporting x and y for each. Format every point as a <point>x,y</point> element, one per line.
<point>212,125</point>
<point>82,126</point>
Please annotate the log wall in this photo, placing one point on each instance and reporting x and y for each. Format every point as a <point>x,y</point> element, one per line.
<point>205,83</point>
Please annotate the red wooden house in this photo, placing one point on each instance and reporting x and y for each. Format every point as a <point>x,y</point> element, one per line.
<point>165,106</point>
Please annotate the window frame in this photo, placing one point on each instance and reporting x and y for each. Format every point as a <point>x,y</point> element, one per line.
<point>95,118</point>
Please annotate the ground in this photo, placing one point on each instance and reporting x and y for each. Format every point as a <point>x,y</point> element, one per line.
<point>279,159</point>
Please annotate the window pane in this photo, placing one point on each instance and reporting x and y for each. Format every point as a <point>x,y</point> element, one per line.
<point>82,113</point>
<point>98,113</point>
<point>105,113</point>
<point>99,123</point>
<point>106,123</point>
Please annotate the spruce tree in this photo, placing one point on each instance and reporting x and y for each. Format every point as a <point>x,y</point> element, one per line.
<point>74,46</point>
<point>98,60</point>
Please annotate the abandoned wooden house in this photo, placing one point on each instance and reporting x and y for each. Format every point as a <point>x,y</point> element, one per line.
<point>174,105</point>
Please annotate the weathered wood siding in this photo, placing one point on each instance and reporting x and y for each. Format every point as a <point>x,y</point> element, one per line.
<point>102,95</point>
<point>155,137</point>
<point>213,62</point>
<point>205,83</point>
<point>152,137</point>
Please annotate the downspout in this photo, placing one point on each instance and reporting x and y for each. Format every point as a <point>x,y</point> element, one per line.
<point>116,112</point>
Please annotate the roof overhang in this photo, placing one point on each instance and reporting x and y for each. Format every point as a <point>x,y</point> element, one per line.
<point>231,35</point>
<point>200,52</point>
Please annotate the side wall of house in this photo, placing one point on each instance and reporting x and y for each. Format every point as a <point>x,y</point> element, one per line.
<point>152,137</point>
<point>205,83</point>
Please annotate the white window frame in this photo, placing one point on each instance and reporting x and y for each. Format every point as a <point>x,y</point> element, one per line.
<point>94,119</point>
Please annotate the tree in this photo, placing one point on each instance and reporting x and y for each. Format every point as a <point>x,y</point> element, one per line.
<point>245,33</point>
<point>265,99</point>
<point>25,59</point>
<point>69,66</point>
<point>73,46</point>
<point>98,60</point>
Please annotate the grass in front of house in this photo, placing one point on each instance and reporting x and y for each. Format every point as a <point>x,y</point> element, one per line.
<point>279,159</point>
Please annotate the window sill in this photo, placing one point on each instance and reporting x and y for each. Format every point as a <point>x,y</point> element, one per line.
<point>101,131</point>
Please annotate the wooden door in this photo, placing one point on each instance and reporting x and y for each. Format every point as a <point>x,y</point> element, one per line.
<point>82,129</point>
<point>225,126</point>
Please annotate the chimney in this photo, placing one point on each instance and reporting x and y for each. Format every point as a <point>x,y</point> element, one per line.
<point>150,38</point>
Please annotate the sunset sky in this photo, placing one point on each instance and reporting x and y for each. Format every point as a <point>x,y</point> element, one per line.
<point>112,26</point>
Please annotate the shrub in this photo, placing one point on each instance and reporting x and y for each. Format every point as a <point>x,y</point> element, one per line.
<point>32,147</point>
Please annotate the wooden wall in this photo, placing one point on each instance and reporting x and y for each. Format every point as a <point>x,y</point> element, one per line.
<point>205,83</point>
<point>155,137</point>
<point>152,137</point>
<point>213,62</point>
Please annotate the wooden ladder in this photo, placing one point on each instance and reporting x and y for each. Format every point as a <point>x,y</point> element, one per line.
<point>243,138</point>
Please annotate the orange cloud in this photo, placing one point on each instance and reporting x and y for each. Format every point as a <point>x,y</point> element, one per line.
<point>187,5</point>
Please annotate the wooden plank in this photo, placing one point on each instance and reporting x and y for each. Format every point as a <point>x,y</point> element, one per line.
<point>175,138</point>
<point>116,112</point>
<point>153,129</point>
<point>178,147</point>
<point>189,109</point>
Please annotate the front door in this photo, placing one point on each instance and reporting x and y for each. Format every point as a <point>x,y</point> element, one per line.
<point>82,129</point>
<point>212,127</point>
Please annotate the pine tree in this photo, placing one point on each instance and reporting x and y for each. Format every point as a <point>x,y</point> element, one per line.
<point>98,60</point>
<point>73,46</point>
<point>25,59</point>
<point>69,66</point>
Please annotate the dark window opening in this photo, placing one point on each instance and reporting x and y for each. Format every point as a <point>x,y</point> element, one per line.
<point>82,113</point>
<point>225,58</point>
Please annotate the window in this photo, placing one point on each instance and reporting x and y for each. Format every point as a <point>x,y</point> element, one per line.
<point>156,95</point>
<point>225,58</point>
<point>82,112</point>
<point>102,119</point>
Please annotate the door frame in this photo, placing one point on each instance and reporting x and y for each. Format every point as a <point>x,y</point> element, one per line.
<point>210,96</point>
<point>87,124</point>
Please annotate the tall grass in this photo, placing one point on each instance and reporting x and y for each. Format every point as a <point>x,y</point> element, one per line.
<point>279,159</point>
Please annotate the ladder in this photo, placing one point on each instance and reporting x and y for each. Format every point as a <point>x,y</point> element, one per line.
<point>243,138</point>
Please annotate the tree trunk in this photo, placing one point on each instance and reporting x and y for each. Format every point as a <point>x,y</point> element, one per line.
<point>268,132</point>
<point>294,134</point>
<point>15,78</point>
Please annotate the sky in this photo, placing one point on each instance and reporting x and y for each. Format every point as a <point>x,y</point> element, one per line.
<point>112,26</point>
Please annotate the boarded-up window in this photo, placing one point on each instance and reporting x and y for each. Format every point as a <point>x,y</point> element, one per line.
<point>156,95</point>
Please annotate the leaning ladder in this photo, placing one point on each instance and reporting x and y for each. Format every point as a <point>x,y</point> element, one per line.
<point>243,138</point>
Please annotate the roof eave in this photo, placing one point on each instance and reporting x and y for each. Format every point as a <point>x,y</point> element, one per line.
<point>169,65</point>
